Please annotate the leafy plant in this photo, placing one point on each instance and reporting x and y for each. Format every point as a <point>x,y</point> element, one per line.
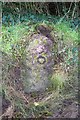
<point>58,80</point>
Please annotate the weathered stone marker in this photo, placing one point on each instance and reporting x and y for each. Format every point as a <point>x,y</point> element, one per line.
<point>39,61</point>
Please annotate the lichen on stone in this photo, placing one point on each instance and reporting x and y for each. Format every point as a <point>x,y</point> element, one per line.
<point>39,60</point>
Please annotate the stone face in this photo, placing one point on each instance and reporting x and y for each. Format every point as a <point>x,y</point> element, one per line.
<point>39,61</point>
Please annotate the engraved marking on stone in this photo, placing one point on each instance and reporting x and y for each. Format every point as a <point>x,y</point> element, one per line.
<point>41,60</point>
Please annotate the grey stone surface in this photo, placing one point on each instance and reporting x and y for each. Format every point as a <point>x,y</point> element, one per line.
<point>39,61</point>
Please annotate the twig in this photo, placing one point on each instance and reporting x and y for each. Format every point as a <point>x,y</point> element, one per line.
<point>9,112</point>
<point>45,99</point>
<point>74,10</point>
<point>65,14</point>
<point>20,94</point>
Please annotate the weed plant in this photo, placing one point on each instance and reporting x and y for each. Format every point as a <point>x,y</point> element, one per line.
<point>15,32</point>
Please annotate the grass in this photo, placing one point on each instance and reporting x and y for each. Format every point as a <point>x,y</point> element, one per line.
<point>11,35</point>
<point>16,35</point>
<point>58,80</point>
<point>67,32</point>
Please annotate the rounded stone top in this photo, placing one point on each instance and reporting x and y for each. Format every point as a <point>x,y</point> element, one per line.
<point>38,41</point>
<point>39,50</point>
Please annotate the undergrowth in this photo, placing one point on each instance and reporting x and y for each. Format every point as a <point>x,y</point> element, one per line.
<point>64,81</point>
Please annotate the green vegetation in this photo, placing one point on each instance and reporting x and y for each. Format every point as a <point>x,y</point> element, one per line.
<point>13,34</point>
<point>16,29</point>
<point>68,33</point>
